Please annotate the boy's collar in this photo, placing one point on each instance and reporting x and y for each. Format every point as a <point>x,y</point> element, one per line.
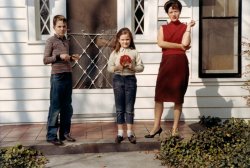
<point>60,37</point>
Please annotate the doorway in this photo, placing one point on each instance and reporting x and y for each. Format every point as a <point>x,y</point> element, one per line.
<point>92,26</point>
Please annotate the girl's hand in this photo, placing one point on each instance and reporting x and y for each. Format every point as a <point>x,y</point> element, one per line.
<point>118,68</point>
<point>130,67</point>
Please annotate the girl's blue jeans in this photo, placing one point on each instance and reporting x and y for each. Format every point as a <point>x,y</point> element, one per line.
<point>125,93</point>
<point>60,105</point>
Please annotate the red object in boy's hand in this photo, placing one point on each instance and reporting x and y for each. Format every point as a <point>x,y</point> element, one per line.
<point>125,60</point>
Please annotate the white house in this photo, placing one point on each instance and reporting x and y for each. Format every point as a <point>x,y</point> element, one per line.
<point>216,65</point>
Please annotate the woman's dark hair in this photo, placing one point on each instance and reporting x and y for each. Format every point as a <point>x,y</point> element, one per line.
<point>175,4</point>
<point>59,18</point>
<point>123,31</point>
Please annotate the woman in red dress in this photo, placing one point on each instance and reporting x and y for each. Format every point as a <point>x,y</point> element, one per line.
<point>172,81</point>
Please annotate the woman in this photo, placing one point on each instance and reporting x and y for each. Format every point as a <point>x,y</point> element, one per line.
<point>172,81</point>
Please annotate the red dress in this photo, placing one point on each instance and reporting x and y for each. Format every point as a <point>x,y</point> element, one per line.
<point>172,79</point>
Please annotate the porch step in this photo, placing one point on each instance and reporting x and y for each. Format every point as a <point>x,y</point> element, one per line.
<point>98,147</point>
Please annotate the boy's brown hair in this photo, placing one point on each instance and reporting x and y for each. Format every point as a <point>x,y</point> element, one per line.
<point>59,18</point>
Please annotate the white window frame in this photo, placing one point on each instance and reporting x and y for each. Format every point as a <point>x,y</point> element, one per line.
<point>34,34</point>
<point>125,18</point>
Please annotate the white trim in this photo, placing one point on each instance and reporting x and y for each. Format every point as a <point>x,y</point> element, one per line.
<point>150,21</point>
<point>124,14</point>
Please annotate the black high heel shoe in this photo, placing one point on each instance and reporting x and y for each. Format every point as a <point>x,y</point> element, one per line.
<point>152,136</point>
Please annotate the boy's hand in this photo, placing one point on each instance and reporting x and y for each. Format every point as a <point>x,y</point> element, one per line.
<point>65,57</point>
<point>75,57</point>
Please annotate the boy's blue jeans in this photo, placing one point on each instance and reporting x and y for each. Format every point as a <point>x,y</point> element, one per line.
<point>125,92</point>
<point>60,105</point>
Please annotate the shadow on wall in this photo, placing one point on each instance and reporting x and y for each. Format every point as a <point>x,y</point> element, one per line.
<point>211,103</point>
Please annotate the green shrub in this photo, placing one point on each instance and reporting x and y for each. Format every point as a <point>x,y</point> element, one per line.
<point>21,157</point>
<point>226,145</point>
<point>209,121</point>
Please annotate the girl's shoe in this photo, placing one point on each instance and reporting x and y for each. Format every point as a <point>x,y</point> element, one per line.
<point>132,139</point>
<point>152,136</point>
<point>118,139</point>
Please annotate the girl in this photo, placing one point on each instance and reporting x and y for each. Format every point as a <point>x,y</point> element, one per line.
<point>172,81</point>
<point>124,62</point>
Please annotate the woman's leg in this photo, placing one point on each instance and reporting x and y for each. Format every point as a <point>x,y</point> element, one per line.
<point>157,119</point>
<point>177,115</point>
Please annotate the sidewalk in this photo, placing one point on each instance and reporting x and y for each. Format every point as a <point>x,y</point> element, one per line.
<point>92,137</point>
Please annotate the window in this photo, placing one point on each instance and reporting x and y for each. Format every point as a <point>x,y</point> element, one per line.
<point>44,13</point>
<point>139,17</point>
<point>220,34</point>
<point>39,16</point>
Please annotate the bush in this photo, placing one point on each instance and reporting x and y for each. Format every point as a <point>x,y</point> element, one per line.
<point>21,157</point>
<point>209,121</point>
<point>226,145</point>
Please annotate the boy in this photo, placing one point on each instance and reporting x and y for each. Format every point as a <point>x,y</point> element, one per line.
<point>57,54</point>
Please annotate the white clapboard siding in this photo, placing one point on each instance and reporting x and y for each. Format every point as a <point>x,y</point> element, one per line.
<point>23,117</point>
<point>93,103</point>
<point>142,80</point>
<point>37,59</point>
<point>194,113</point>
<point>44,71</point>
<point>21,60</point>
<point>12,3</point>
<point>13,36</point>
<point>13,13</point>
<point>24,94</point>
<point>142,92</point>
<point>18,83</point>
<point>25,71</point>
<point>140,114</point>
<point>151,58</point>
<point>13,24</point>
<point>147,47</point>
<point>20,48</point>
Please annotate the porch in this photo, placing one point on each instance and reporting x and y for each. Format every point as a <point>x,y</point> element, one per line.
<point>92,137</point>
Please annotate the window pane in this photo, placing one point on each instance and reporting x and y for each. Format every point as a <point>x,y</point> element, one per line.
<point>44,17</point>
<point>220,46</point>
<point>139,17</point>
<point>220,8</point>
